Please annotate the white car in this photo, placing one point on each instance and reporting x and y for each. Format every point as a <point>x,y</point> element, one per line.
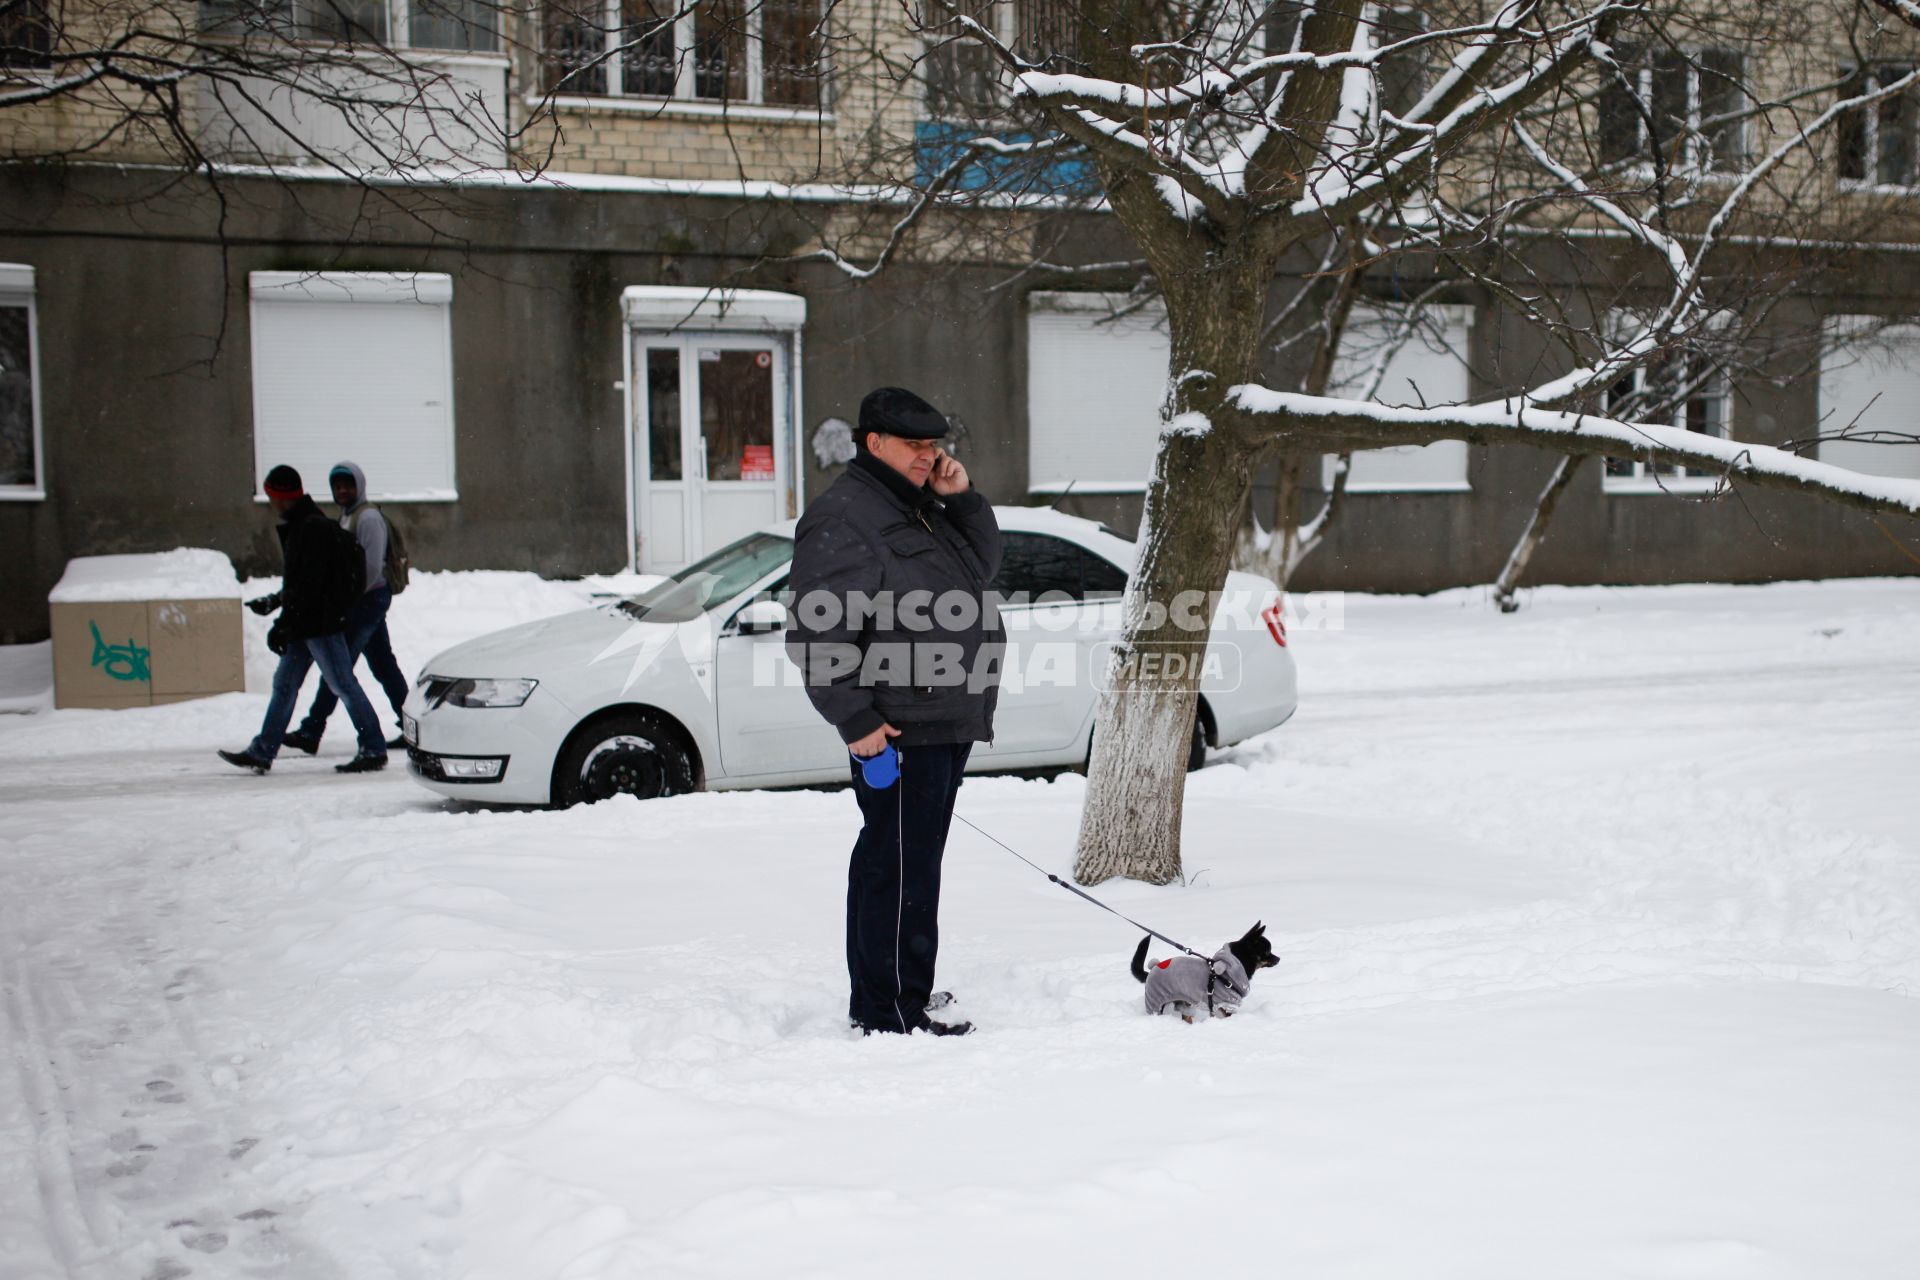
<point>688,685</point>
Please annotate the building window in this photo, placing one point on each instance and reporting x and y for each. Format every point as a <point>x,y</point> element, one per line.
<point>465,26</point>
<point>1869,383</point>
<point>1402,79</point>
<point>355,365</point>
<point>19,386</point>
<point>26,35</point>
<point>468,26</point>
<point>1096,375</point>
<point>1876,142</point>
<point>1694,391</point>
<point>1682,107</point>
<point>1388,359</point>
<point>963,94</point>
<point>770,53</point>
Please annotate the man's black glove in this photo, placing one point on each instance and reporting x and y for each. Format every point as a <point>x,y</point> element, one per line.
<point>277,637</point>
<point>264,605</point>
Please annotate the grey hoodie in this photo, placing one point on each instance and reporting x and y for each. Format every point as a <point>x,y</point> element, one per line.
<point>366,523</point>
<point>1183,979</point>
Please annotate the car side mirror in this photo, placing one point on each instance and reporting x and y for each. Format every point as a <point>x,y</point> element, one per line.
<point>760,617</point>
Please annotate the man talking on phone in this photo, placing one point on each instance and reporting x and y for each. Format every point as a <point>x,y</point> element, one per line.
<point>901,648</point>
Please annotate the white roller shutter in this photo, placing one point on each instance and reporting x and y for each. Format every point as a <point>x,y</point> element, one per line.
<point>355,366</point>
<point>1094,387</point>
<point>1428,369</point>
<point>1871,384</point>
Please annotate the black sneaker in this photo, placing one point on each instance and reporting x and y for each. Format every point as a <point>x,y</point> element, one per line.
<point>247,760</point>
<point>362,764</point>
<point>301,742</point>
<point>939,1000</point>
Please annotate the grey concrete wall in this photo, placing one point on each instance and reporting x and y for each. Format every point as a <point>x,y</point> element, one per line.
<point>147,396</point>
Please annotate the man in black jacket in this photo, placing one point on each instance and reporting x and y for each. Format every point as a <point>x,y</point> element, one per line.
<point>322,582</point>
<point>901,650</point>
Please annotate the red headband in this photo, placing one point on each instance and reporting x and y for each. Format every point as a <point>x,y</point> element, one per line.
<point>293,492</point>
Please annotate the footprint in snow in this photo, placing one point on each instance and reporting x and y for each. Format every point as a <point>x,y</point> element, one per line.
<point>167,1269</point>
<point>131,1165</point>
<point>241,1148</point>
<point>164,1091</point>
<point>205,1241</point>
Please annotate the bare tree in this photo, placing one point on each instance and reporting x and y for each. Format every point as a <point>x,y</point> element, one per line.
<point>1528,126</point>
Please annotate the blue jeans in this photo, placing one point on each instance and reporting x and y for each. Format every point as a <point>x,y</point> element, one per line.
<point>330,654</point>
<point>366,637</point>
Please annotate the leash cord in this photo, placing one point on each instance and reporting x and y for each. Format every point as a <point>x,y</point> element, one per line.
<point>1078,891</point>
<point>900,780</point>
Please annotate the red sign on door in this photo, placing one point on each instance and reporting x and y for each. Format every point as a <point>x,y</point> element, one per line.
<point>756,462</point>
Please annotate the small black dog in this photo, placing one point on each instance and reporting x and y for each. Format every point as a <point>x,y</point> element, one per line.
<point>1186,985</point>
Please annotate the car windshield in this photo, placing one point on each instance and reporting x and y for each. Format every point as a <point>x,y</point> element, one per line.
<point>712,581</point>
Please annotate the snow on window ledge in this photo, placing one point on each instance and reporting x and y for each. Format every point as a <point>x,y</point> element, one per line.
<point>1665,485</point>
<point>1411,486</point>
<point>1056,487</point>
<point>12,494</point>
<point>684,108</point>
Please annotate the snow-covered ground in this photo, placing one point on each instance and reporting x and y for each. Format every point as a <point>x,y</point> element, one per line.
<point>1601,938</point>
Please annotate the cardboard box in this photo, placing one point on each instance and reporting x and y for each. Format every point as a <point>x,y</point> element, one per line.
<point>112,648</point>
<point>102,655</point>
<point>197,647</point>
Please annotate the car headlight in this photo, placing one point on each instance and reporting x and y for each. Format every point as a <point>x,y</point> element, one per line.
<point>489,693</point>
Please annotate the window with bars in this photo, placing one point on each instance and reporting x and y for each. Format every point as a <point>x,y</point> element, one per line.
<point>766,52</point>
<point>26,35</point>
<point>1683,107</point>
<point>1876,142</point>
<point>964,99</point>
<point>1692,388</point>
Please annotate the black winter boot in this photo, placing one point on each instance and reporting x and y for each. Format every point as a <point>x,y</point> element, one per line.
<point>247,760</point>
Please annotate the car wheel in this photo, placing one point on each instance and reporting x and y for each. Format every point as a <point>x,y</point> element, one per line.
<point>1197,745</point>
<point>630,753</point>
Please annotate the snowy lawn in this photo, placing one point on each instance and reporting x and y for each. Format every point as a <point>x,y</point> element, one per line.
<point>1600,929</point>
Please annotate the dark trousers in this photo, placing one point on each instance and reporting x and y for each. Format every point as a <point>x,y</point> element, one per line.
<point>330,654</point>
<point>893,887</point>
<point>366,638</point>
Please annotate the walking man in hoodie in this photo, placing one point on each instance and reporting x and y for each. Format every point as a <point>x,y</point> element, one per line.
<point>316,595</point>
<point>367,625</point>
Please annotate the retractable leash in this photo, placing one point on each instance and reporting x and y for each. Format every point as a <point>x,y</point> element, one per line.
<point>882,770</point>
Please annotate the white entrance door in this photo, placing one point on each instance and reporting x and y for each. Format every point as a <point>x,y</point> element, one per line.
<point>711,433</point>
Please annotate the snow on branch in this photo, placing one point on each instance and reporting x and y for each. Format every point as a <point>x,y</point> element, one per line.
<point>1684,308</point>
<point>1344,424</point>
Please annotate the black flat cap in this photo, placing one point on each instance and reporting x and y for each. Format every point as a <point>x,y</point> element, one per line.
<point>896,411</point>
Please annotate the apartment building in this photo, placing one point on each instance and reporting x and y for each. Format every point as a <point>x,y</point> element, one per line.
<point>550,275</point>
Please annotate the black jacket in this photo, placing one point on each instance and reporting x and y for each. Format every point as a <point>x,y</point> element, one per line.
<point>873,535</point>
<point>311,596</point>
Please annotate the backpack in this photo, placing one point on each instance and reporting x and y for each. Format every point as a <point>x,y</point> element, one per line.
<point>397,563</point>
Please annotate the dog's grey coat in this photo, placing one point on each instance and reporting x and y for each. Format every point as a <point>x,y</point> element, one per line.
<point>1184,980</point>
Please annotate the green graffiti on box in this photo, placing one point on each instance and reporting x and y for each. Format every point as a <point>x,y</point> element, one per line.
<point>120,661</point>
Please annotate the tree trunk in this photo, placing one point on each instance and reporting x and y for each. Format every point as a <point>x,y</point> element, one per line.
<point>1534,534</point>
<point>1136,780</point>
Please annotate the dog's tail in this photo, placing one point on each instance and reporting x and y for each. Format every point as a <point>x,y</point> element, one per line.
<point>1140,959</point>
